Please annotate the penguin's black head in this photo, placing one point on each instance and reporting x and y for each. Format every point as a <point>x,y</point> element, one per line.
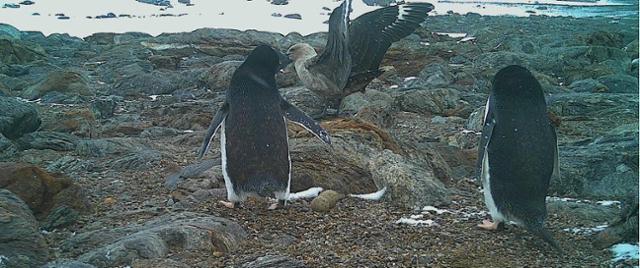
<point>263,59</point>
<point>515,80</point>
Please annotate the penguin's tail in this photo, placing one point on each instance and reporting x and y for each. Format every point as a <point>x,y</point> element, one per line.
<point>539,231</point>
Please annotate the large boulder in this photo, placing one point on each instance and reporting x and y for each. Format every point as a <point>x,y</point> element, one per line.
<point>9,31</point>
<point>306,100</point>
<point>408,185</point>
<point>620,83</point>
<point>41,191</point>
<point>62,81</point>
<point>41,140</point>
<point>218,77</point>
<point>598,155</point>
<point>155,239</point>
<point>17,118</point>
<point>15,52</point>
<point>439,101</point>
<point>605,167</point>
<point>21,244</point>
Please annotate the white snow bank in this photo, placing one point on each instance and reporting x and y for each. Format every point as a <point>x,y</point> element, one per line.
<point>308,193</point>
<point>435,209</point>
<point>624,252</point>
<point>413,222</point>
<point>585,230</point>
<point>372,196</point>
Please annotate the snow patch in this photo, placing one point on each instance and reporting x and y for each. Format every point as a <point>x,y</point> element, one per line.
<point>3,259</point>
<point>435,209</point>
<point>187,131</point>
<point>608,203</point>
<point>453,35</point>
<point>413,222</point>
<point>605,203</point>
<point>308,193</point>
<point>372,196</point>
<point>410,78</point>
<point>585,230</point>
<point>624,252</point>
<point>467,39</point>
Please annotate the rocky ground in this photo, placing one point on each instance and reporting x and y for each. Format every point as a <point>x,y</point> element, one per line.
<point>97,132</point>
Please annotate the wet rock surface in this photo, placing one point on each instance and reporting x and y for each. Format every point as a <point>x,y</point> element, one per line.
<point>115,117</point>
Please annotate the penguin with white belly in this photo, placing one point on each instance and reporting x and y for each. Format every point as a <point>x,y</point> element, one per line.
<point>253,131</point>
<point>518,153</point>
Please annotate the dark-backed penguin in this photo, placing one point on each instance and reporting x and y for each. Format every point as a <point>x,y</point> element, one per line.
<point>518,152</point>
<point>354,50</point>
<point>253,131</point>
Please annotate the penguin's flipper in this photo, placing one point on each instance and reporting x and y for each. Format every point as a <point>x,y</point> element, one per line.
<point>556,167</point>
<point>213,128</point>
<point>489,123</point>
<point>299,117</point>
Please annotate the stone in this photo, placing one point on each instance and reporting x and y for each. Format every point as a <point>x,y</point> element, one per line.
<point>7,30</point>
<point>294,16</point>
<point>7,148</point>
<point>632,49</point>
<point>439,101</point>
<point>342,166</point>
<point>620,83</point>
<point>17,118</point>
<point>41,140</point>
<point>371,99</point>
<point>433,75</point>
<point>607,39</point>
<point>274,261</point>
<point>158,262</point>
<point>110,146</point>
<point>598,157</point>
<point>218,77</point>
<point>17,52</point>
<point>588,85</point>
<point>61,216</point>
<point>325,201</point>
<point>67,264</point>
<point>154,238</point>
<point>190,171</point>
<point>408,185</point>
<point>21,245</point>
<point>164,62</point>
<point>63,81</point>
<point>78,121</point>
<point>136,160</point>
<point>305,100</point>
<point>41,191</point>
<point>104,107</point>
<point>69,164</point>
<point>156,82</point>
<point>624,229</point>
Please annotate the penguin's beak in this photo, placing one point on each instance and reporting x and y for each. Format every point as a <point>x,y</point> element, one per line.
<point>284,61</point>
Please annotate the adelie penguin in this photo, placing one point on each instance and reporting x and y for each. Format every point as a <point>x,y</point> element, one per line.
<point>253,131</point>
<point>518,153</point>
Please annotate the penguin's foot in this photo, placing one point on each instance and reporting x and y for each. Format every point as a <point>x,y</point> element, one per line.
<point>489,225</point>
<point>227,204</point>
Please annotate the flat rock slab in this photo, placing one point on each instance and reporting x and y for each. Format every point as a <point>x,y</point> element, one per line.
<point>153,239</point>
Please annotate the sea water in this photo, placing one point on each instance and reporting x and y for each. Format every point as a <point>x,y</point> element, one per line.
<point>133,16</point>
